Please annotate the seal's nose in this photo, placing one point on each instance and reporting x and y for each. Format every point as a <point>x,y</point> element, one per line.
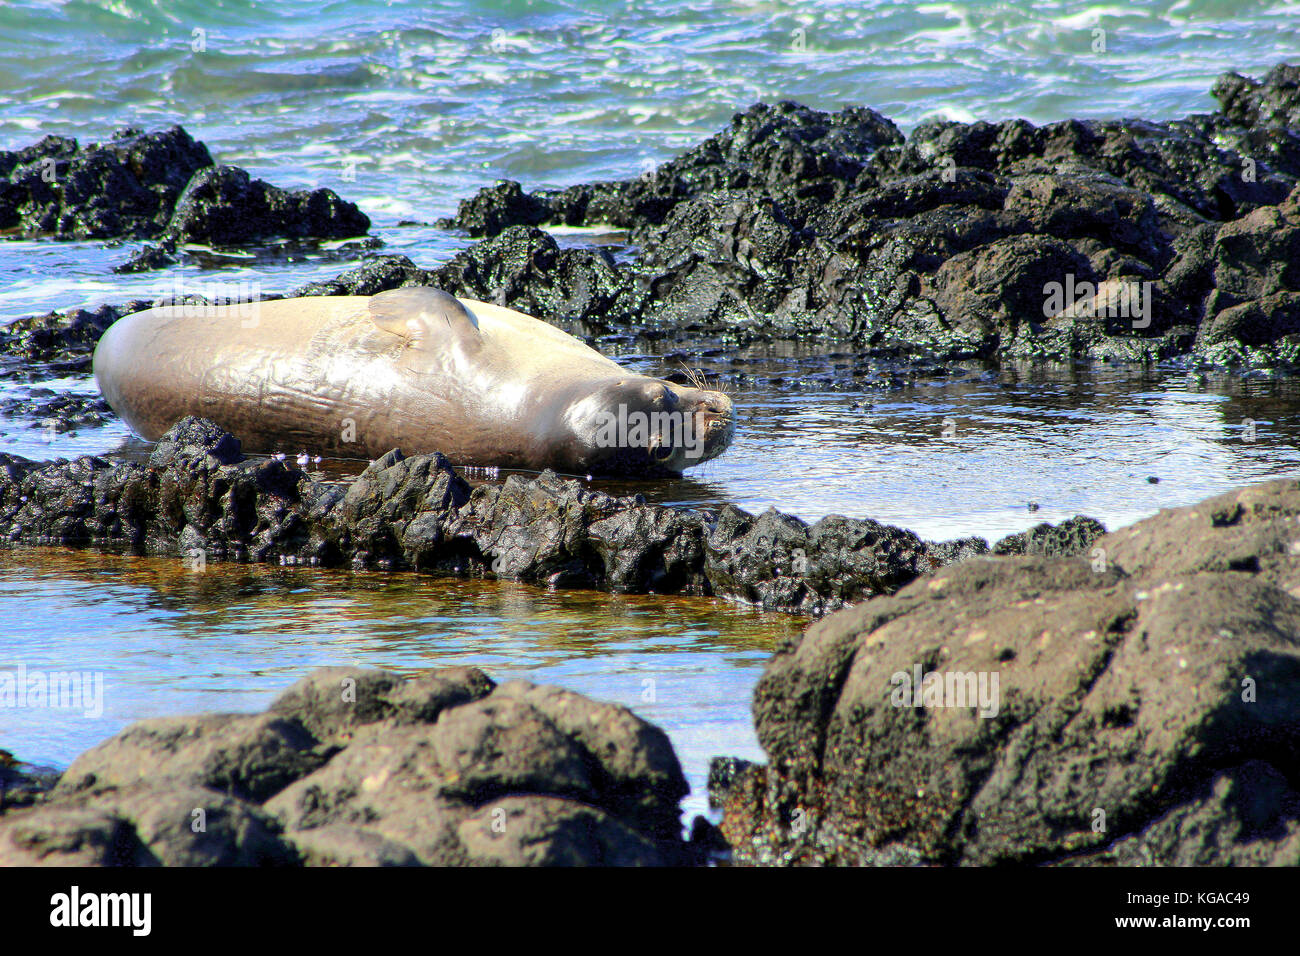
<point>716,406</point>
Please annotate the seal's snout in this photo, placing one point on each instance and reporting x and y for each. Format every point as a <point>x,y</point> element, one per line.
<point>716,407</point>
<point>713,424</point>
<point>720,422</point>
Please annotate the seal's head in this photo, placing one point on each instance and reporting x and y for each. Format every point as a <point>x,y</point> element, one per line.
<point>636,424</point>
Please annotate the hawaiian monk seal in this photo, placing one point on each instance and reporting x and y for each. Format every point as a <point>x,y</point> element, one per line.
<point>412,368</point>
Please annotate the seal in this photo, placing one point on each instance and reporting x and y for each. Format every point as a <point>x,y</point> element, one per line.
<point>412,368</point>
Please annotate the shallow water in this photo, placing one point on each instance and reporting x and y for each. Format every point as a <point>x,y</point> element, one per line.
<point>169,640</point>
<point>407,108</point>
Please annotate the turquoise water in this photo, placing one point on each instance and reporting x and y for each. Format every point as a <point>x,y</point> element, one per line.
<point>432,99</point>
<point>406,108</point>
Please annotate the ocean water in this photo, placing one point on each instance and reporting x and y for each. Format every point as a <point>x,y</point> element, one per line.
<point>405,108</point>
<point>424,102</point>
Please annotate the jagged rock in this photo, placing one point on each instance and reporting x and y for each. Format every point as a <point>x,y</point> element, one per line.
<point>224,206</point>
<point>374,275</point>
<point>333,701</point>
<point>43,346</point>
<point>794,222</point>
<point>1274,101</point>
<point>124,188</point>
<point>578,290</point>
<point>199,498</point>
<point>778,561</point>
<point>805,155</point>
<point>1245,816</point>
<point>442,769</point>
<point>496,208</point>
<point>196,438</point>
<point>57,412</point>
<point>1128,689</point>
<point>1067,539</point>
<point>1253,531</point>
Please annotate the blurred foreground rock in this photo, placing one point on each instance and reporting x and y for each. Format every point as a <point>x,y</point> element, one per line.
<point>1137,705</point>
<point>353,767</point>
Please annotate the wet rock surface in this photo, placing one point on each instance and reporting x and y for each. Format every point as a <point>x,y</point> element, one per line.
<point>57,413</point>
<point>161,185</point>
<point>56,344</point>
<point>199,498</point>
<point>579,290</point>
<point>1273,101</point>
<point>804,155</point>
<point>125,188</point>
<point>1147,707</point>
<point>1075,536</point>
<point>224,206</point>
<point>354,767</point>
<point>1123,239</point>
<point>22,784</point>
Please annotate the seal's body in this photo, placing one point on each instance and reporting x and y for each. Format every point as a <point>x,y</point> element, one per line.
<point>416,369</point>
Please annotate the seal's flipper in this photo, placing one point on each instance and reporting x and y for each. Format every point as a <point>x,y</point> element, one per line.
<point>426,316</point>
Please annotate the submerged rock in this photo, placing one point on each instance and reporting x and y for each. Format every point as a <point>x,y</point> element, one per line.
<point>353,767</point>
<point>1085,709</point>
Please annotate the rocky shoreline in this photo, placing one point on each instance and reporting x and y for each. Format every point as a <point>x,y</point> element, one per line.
<point>1133,697</point>
<point>1147,709</point>
<point>947,243</point>
<point>353,767</point>
<point>1144,710</point>
<point>1123,240</point>
<point>199,498</point>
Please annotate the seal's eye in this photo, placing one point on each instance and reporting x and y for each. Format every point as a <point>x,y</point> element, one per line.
<point>661,453</point>
<point>660,397</point>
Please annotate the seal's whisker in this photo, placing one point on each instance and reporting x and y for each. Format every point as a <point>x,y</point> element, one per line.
<point>699,380</point>
<point>695,376</point>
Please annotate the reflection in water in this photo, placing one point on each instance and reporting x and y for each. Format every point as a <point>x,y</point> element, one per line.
<point>168,640</point>
<point>1070,440</point>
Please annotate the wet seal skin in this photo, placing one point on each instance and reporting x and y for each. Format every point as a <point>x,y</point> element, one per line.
<point>412,368</point>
